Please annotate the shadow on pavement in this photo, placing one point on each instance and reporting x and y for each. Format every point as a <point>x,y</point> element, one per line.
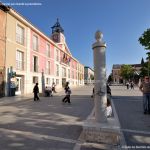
<point>134,123</point>
<point>43,125</point>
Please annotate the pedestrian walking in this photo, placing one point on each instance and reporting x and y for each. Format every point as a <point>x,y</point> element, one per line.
<point>48,92</point>
<point>92,93</point>
<point>53,87</point>
<point>68,92</point>
<point>36,91</point>
<point>108,89</point>
<point>145,89</point>
<point>127,84</point>
<point>132,85</point>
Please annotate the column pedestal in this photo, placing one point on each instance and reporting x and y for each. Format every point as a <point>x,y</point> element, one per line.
<point>108,133</point>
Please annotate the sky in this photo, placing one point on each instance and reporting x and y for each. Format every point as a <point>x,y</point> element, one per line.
<point>122,22</point>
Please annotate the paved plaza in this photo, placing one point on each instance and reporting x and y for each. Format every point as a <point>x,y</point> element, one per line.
<point>49,124</point>
<point>134,124</point>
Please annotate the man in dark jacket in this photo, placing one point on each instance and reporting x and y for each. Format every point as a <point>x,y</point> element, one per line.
<point>36,91</point>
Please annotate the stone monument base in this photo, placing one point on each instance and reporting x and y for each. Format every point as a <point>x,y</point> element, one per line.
<point>106,133</point>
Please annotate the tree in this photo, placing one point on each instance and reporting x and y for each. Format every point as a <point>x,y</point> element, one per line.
<point>145,69</point>
<point>92,77</point>
<point>142,61</point>
<point>110,78</point>
<point>145,41</point>
<point>127,72</point>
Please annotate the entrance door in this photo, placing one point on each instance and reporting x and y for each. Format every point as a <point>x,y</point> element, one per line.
<point>18,86</point>
<point>63,82</point>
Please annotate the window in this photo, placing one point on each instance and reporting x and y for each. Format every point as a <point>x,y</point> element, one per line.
<point>19,60</point>
<point>57,55</point>
<point>35,64</point>
<point>72,64</point>
<point>47,50</point>
<point>35,79</point>
<point>68,73</point>
<point>57,70</point>
<point>72,74</point>
<point>48,81</point>
<point>57,81</point>
<point>35,43</point>
<point>63,72</point>
<point>48,67</point>
<point>20,35</point>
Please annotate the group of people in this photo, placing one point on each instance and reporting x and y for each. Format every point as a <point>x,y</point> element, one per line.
<point>130,85</point>
<point>49,91</point>
<point>144,88</point>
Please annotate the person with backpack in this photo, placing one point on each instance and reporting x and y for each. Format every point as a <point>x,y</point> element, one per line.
<point>68,93</point>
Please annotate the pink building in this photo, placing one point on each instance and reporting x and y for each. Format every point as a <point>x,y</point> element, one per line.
<point>33,57</point>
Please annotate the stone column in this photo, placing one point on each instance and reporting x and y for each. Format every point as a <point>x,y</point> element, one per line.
<point>100,98</point>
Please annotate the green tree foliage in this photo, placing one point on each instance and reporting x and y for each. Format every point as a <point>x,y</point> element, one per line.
<point>145,70</point>
<point>145,41</point>
<point>92,77</point>
<point>110,78</point>
<point>127,72</point>
<point>142,61</point>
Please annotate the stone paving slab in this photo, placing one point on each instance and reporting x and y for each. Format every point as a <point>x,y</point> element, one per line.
<point>47,124</point>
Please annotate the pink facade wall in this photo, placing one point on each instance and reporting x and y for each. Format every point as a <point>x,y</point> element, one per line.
<point>61,55</point>
<point>75,72</point>
<point>73,69</point>
<point>41,53</point>
<point>42,58</point>
<point>52,50</point>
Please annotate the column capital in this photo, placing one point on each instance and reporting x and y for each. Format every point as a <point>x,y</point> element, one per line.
<point>99,42</point>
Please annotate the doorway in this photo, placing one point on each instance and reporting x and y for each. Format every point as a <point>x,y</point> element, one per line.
<point>63,82</point>
<point>18,85</point>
